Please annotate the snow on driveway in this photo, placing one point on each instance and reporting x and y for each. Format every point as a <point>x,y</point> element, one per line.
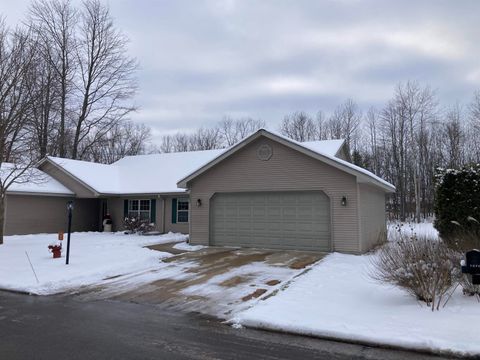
<point>93,257</point>
<point>338,299</point>
<point>215,281</point>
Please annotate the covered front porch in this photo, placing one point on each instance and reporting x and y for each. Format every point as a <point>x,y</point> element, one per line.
<point>169,212</point>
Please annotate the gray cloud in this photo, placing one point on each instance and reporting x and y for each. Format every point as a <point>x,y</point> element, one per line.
<point>201,60</point>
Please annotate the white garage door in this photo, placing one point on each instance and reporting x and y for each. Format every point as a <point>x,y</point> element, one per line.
<point>278,220</point>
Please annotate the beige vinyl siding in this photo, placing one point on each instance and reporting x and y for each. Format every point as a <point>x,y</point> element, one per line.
<point>31,214</point>
<point>116,210</point>
<point>163,204</point>
<point>80,190</point>
<point>372,215</point>
<point>169,225</point>
<point>286,170</point>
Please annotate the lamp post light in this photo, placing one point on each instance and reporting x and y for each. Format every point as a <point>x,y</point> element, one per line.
<point>70,210</point>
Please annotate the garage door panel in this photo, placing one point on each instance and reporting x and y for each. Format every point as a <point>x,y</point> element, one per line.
<point>285,220</point>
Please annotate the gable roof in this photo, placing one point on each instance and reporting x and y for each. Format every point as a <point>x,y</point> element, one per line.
<point>329,147</point>
<point>141,174</point>
<point>34,182</point>
<point>152,174</point>
<point>159,173</point>
<point>317,152</point>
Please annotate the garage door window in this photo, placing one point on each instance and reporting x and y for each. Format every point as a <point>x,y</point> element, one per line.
<point>182,210</point>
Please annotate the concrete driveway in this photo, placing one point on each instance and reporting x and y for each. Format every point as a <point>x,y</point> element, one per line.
<point>213,281</point>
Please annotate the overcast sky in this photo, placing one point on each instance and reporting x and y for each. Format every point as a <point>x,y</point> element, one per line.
<point>202,60</point>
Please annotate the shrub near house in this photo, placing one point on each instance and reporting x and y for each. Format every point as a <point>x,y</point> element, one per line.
<point>457,206</point>
<point>425,267</point>
<point>429,268</point>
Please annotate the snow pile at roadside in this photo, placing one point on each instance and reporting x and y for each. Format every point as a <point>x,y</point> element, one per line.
<point>337,298</point>
<point>93,257</point>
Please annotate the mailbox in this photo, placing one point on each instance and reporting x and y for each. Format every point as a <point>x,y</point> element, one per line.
<point>471,265</point>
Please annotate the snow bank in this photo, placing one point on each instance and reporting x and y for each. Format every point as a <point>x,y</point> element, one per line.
<point>93,257</point>
<point>423,229</point>
<point>187,247</point>
<point>338,299</point>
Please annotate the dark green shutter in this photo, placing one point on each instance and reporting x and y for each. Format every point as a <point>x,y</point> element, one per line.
<point>174,211</point>
<point>125,208</point>
<point>153,211</point>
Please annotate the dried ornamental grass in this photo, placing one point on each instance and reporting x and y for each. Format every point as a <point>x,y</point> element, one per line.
<point>425,267</point>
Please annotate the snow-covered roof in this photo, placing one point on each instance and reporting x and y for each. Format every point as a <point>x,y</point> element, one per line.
<point>98,177</point>
<point>141,174</point>
<point>159,173</point>
<point>155,173</point>
<point>328,147</point>
<point>310,148</point>
<point>32,181</point>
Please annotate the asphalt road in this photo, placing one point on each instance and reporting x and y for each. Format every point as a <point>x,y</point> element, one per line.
<point>34,327</point>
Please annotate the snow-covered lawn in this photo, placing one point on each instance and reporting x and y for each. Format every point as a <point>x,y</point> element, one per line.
<point>338,299</point>
<point>420,230</point>
<point>93,257</point>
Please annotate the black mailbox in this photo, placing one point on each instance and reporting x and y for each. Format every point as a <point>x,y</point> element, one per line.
<point>472,265</point>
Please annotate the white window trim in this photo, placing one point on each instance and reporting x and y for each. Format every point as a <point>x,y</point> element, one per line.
<point>187,200</point>
<point>138,212</point>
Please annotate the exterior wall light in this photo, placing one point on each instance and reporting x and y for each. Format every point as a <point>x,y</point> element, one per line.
<point>199,202</point>
<point>344,201</point>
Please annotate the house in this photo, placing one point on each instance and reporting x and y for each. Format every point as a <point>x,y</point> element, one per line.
<point>40,206</point>
<point>266,191</point>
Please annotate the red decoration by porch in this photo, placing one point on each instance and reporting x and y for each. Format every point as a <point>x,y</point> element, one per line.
<point>56,250</point>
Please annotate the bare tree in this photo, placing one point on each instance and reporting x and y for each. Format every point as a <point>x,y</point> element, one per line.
<point>418,106</point>
<point>453,138</point>
<point>321,126</point>
<point>474,125</point>
<point>54,23</point>
<point>16,57</point>
<point>43,92</point>
<point>107,82</point>
<point>166,145</point>
<point>233,130</point>
<point>393,136</point>
<point>124,139</point>
<point>205,139</point>
<point>372,124</point>
<point>344,123</point>
<point>298,126</point>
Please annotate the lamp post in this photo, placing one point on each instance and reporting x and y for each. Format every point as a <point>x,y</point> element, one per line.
<point>70,210</point>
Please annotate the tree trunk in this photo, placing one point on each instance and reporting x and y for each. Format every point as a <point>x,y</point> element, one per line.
<point>417,197</point>
<point>61,140</point>
<point>2,217</point>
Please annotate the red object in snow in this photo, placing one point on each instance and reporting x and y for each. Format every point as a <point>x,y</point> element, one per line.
<point>56,250</point>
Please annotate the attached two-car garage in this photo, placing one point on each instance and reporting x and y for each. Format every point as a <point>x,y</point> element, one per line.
<point>268,191</point>
<point>297,220</point>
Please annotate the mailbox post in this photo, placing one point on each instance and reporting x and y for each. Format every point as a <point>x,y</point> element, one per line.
<point>70,210</point>
<point>471,265</point>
